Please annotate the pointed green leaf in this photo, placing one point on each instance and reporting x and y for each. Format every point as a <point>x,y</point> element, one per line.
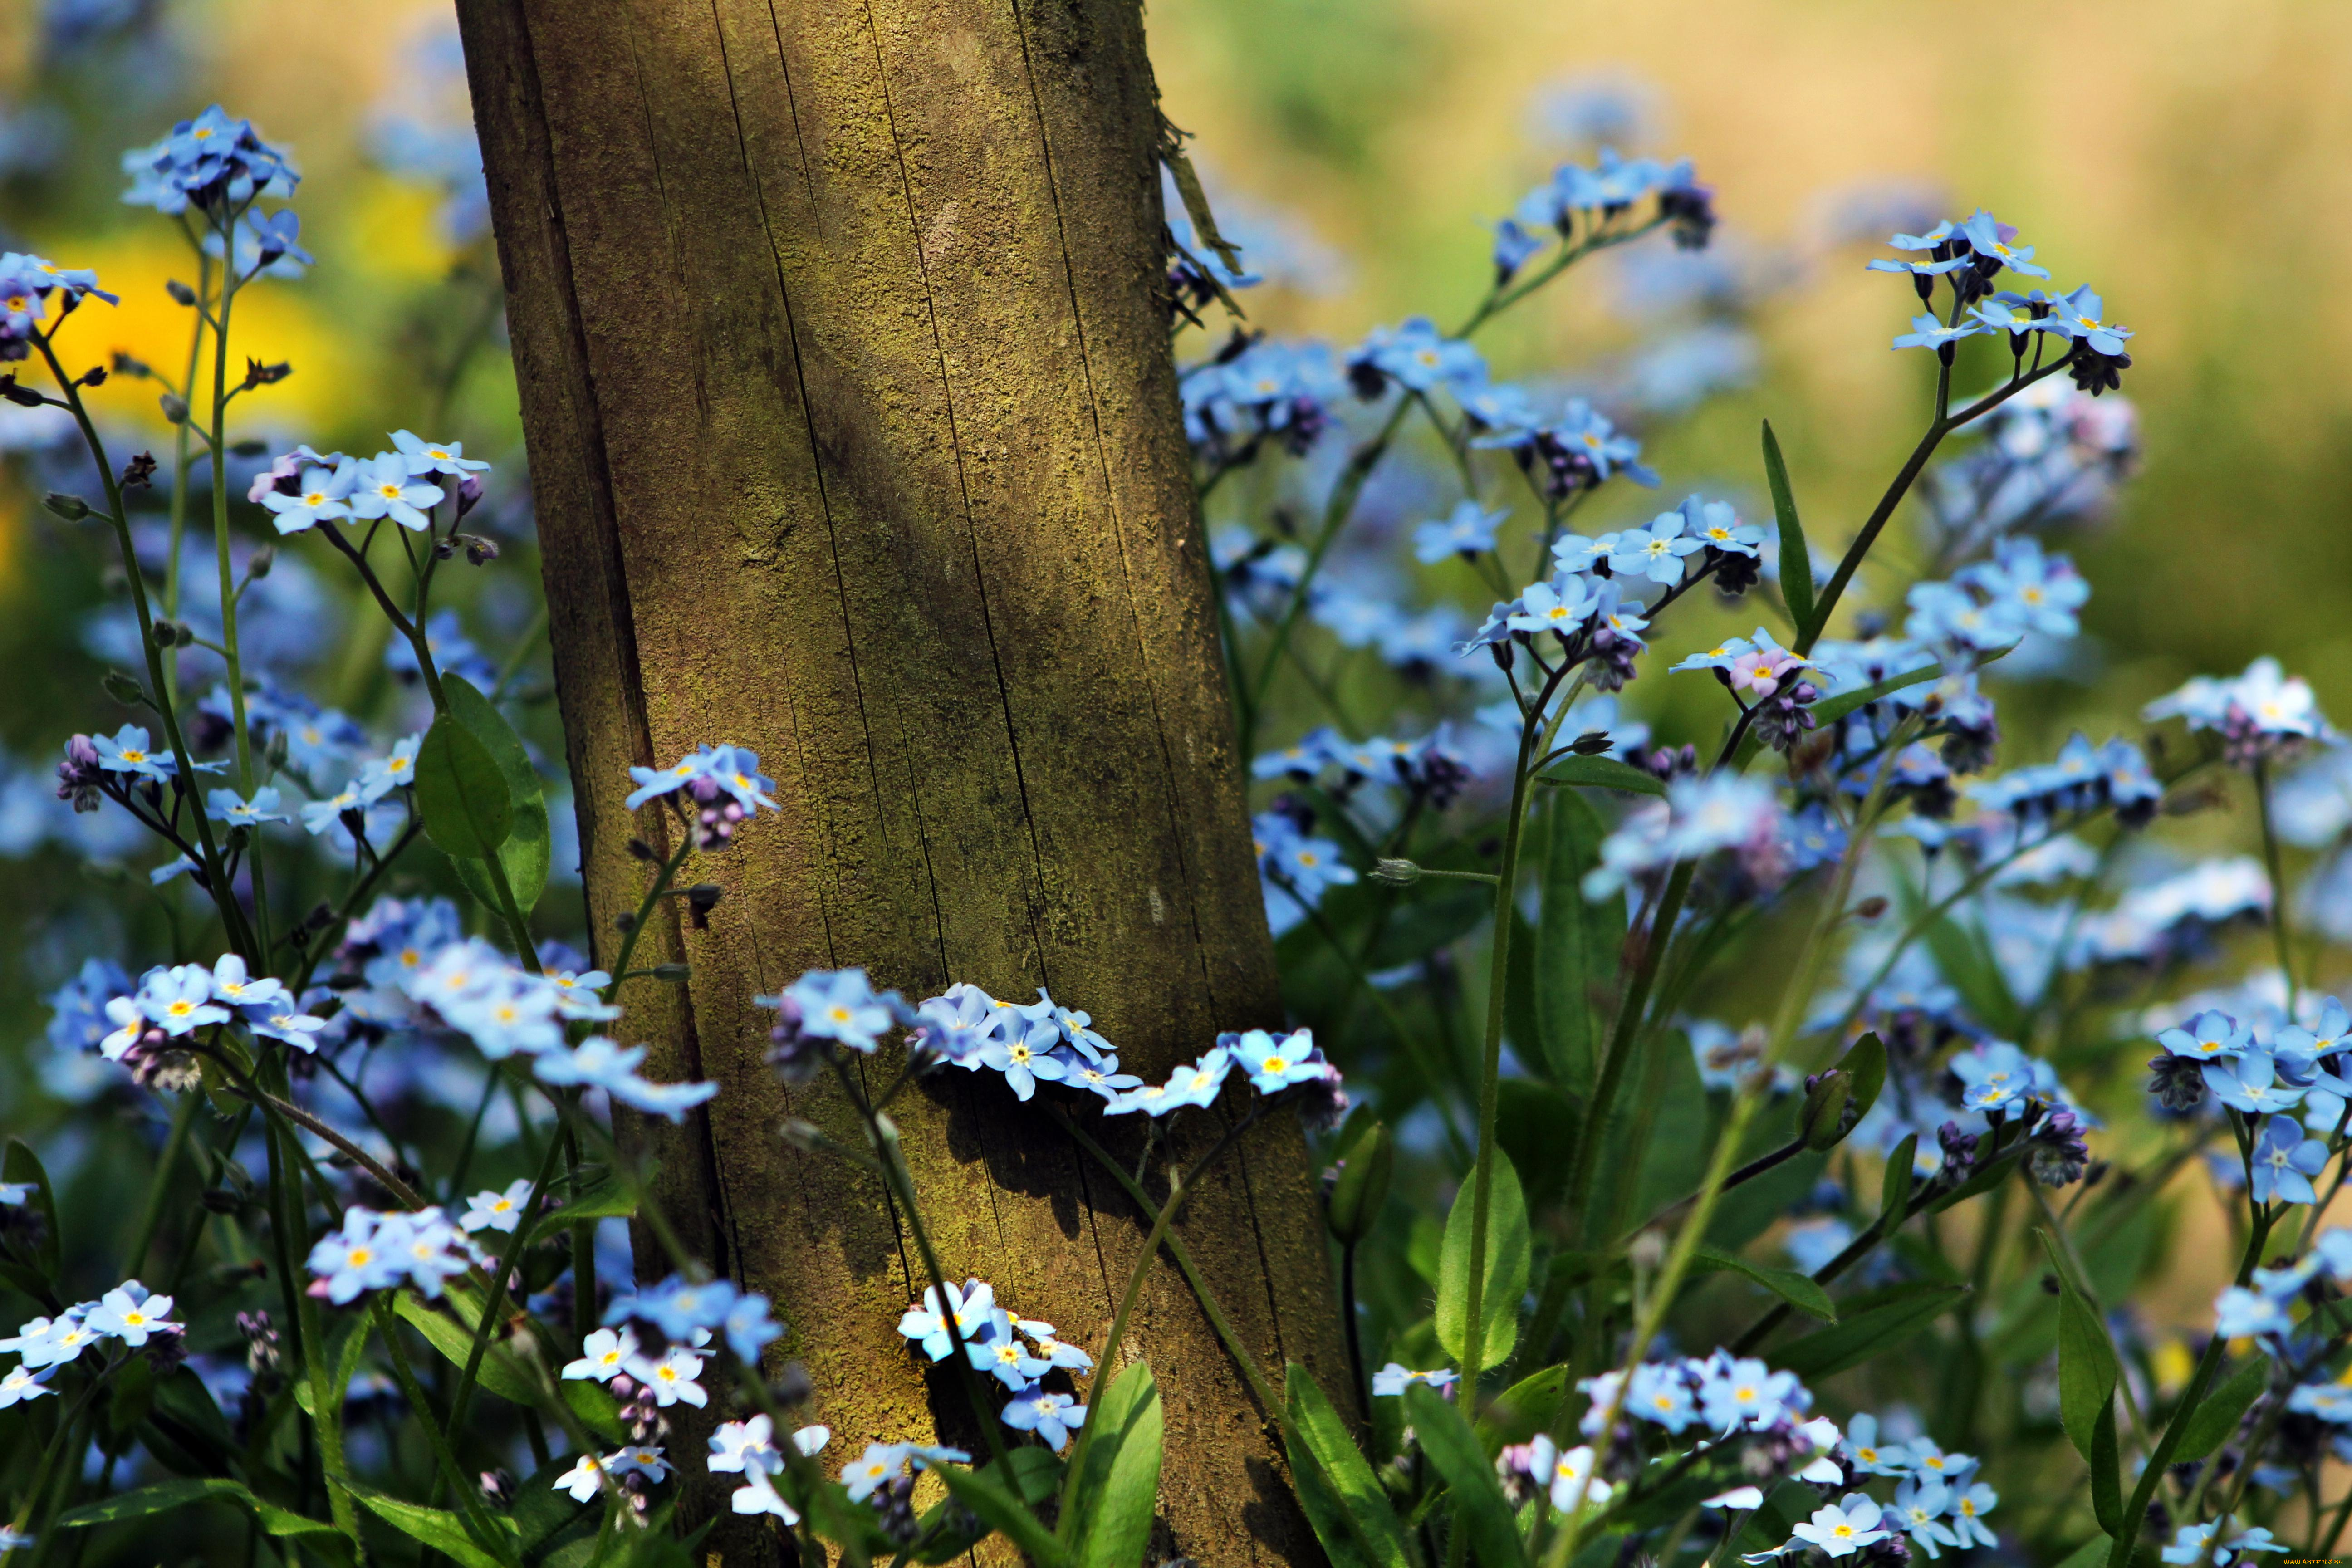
<point>1478,1506</point>
<point>1342,1497</point>
<point>1796,561</point>
<point>22,1165</point>
<point>1986,1178</point>
<point>1527,1407</point>
<point>460,792</point>
<point>1871,1326</point>
<point>1120,1491</point>
<point>2212,1423</point>
<point>1536,1126</point>
<point>2106,1486</point>
<point>1798,1289</point>
<point>1506,1271</point>
<point>1894,1190</point>
<point>1602,772</point>
<point>165,1495</point>
<point>441,1531</point>
<point>527,855</point>
<point>1580,946</point>
<point>1865,1064</point>
<point>2087,1368</point>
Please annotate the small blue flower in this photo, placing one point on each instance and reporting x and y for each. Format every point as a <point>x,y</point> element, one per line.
<point>1417,356</point>
<point>322,496</point>
<point>2301,1049</point>
<point>1660,1393</point>
<point>435,458</point>
<point>1467,532</point>
<point>2077,317</point>
<point>233,986</point>
<point>928,1327</point>
<point>1000,1352</point>
<point>1656,551</point>
<point>1198,1083</point>
<point>2251,1084</point>
<point>383,488</point>
<point>2284,1163</point>
<point>750,1327</point>
<point>1025,1060</point>
<point>1917,1512</point>
<point>1056,1352</point>
<point>1716,522</point>
<point>1927,332</point>
<point>1050,1415</point>
<point>1273,1065</point>
<point>396,769</point>
<point>677,1307</point>
<point>180,1000</point>
<point>228,806</point>
<point>1988,237</point>
<point>127,751</point>
<point>1874,1458</point>
<point>1745,1391</point>
<point>1100,1076</point>
<point>1390,1381</point>
<point>736,769</point>
<point>840,1005</point>
<point>1561,606</point>
<point>2209,1037</point>
<point>1513,248</point>
<point>655,782</point>
<point>1968,1509</point>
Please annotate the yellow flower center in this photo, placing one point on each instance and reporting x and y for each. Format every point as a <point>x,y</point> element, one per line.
<point>359,1256</point>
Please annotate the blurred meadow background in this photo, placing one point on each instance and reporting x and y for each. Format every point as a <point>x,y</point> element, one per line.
<point>2193,158</point>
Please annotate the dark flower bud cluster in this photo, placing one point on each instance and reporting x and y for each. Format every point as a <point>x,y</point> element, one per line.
<point>2059,1153</point>
<point>2177,1083</point>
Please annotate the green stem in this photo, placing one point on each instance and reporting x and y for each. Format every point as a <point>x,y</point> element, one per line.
<point>220,506</point>
<point>1490,1062</point>
<point>494,1303</point>
<point>160,1186</point>
<point>468,1497</point>
<point>240,935</point>
<point>1179,1188</point>
<point>2119,1554</point>
<point>180,452</point>
<point>1943,424</point>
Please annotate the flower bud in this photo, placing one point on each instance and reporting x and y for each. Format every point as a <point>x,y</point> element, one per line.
<point>1822,1121</point>
<point>1396,873</point>
<point>263,559</point>
<point>72,508</point>
<point>122,689</point>
<point>1362,1186</point>
<point>180,293</point>
<point>670,973</point>
<point>174,407</point>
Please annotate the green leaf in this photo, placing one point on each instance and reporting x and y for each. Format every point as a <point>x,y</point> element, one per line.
<point>21,1165</point>
<point>528,853</point>
<point>2212,1423</point>
<point>2092,1553</point>
<point>1506,1271</point>
<point>1866,1064</point>
<point>1478,1506</point>
<point>2107,1489</point>
<point>1889,1318</point>
<point>1798,1289</point>
<point>1796,561</point>
<point>1120,1491</point>
<point>1830,709</point>
<point>2086,1365</point>
<point>1580,946</point>
<point>1895,1187</point>
<point>986,1495</point>
<point>1672,1124</point>
<point>1602,772</point>
<point>1342,1497</point>
<point>1436,913</point>
<point>611,1198</point>
<point>164,1496</point>
<point>1527,1407</point>
<point>1536,1126</point>
<point>461,793</point>
<point>441,1531</point>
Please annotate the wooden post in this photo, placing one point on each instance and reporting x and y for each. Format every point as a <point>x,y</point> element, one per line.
<point>853,438</point>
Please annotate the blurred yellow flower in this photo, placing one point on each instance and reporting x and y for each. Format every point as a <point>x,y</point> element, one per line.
<point>270,321</point>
